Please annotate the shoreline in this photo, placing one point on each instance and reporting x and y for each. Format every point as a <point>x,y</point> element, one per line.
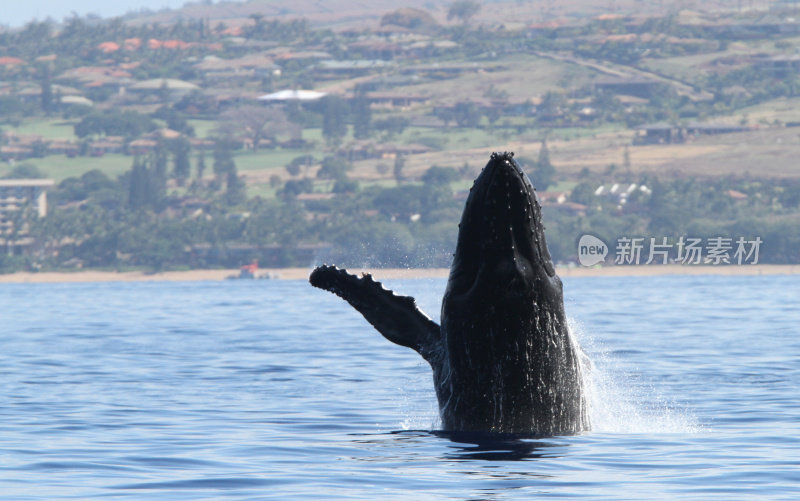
<point>387,273</point>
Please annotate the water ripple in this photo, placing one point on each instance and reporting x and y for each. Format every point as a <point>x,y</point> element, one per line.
<point>275,390</point>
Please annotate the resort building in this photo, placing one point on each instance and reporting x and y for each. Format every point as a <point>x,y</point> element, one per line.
<point>20,200</point>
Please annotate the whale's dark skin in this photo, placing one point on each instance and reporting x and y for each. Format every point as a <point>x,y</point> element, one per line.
<point>503,360</point>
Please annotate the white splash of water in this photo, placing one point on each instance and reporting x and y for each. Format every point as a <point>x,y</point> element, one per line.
<point>419,407</point>
<point>620,401</point>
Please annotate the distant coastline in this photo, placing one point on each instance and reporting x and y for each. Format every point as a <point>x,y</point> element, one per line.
<point>386,273</point>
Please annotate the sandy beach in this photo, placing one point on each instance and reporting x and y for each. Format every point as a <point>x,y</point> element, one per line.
<point>386,273</point>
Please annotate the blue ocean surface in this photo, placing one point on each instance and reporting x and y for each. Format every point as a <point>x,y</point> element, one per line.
<point>273,389</point>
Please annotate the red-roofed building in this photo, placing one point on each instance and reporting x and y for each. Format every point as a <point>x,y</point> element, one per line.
<point>132,43</point>
<point>736,195</point>
<point>10,61</point>
<point>8,153</point>
<point>175,44</point>
<point>552,197</point>
<point>142,146</point>
<point>234,31</point>
<point>108,47</point>
<point>609,17</point>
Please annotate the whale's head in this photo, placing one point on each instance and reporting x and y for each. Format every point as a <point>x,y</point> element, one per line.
<point>503,325</point>
<point>501,244</point>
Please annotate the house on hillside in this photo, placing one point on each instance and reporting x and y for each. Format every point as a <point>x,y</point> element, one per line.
<point>659,133</point>
<point>375,49</point>
<point>664,133</point>
<point>21,200</point>
<point>569,207</point>
<point>108,144</point>
<point>230,98</point>
<point>552,197</point>
<point>163,87</point>
<point>32,93</point>
<point>559,200</point>
<point>15,153</point>
<point>736,195</point>
<point>21,146</point>
<point>292,95</point>
<point>11,66</point>
<point>707,129</point>
<point>395,99</point>
<point>428,48</point>
<point>76,101</point>
<point>97,77</point>
<point>8,61</point>
<point>248,67</point>
<point>363,150</point>
<point>62,147</point>
<point>284,55</point>
<point>142,146</point>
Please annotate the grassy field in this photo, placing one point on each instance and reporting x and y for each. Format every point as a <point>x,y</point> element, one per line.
<point>521,77</point>
<point>60,128</point>
<point>450,138</point>
<point>202,128</point>
<point>771,152</point>
<point>51,129</point>
<point>783,110</point>
<point>59,167</point>
<point>263,190</point>
<point>264,159</point>
<point>692,68</point>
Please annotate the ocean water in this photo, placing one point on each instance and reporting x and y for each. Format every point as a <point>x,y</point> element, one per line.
<point>273,389</point>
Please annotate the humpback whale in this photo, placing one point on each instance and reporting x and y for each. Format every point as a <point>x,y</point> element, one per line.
<point>503,360</point>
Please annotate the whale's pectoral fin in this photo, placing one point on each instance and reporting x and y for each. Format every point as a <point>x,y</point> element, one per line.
<point>396,317</point>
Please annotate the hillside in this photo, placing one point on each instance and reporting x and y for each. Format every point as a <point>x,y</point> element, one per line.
<point>349,14</point>
<point>224,139</point>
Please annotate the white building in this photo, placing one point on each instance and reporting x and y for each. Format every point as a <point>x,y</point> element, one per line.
<point>20,199</point>
<point>292,95</point>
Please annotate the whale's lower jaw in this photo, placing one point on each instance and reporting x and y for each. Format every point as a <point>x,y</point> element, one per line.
<point>511,366</point>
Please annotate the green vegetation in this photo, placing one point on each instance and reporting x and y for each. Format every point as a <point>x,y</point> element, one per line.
<point>111,123</point>
<point>164,156</point>
<point>60,167</point>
